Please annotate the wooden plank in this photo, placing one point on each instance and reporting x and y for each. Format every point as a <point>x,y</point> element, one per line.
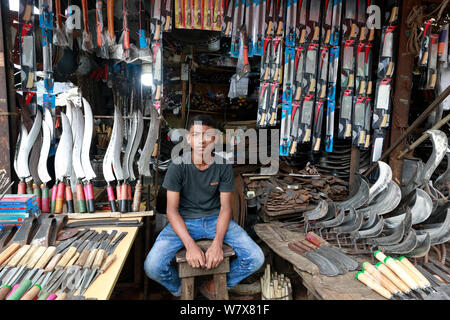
<point>220,286</point>
<point>186,271</point>
<point>342,287</point>
<point>187,288</point>
<point>103,286</point>
<point>100,214</point>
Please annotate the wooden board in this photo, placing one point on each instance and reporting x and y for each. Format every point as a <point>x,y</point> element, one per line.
<point>342,287</point>
<point>103,286</point>
<point>107,214</point>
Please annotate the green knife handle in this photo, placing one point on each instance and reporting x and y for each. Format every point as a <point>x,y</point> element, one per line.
<point>44,295</point>
<point>80,198</point>
<point>137,196</point>
<point>18,293</point>
<point>60,197</point>
<point>21,188</point>
<point>53,199</point>
<point>112,202</point>
<point>37,192</point>
<point>69,199</point>
<point>45,199</point>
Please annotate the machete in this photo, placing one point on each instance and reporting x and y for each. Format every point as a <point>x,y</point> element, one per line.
<point>76,160</point>
<point>85,161</point>
<point>107,167</point>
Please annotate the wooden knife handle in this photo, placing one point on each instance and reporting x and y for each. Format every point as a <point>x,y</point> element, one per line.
<point>369,282</point>
<point>28,255</point>
<point>353,31</point>
<point>294,147</point>
<point>72,260</point>
<point>58,13</point>
<point>4,290</point>
<point>29,187</point>
<point>99,258</point>
<point>303,36</point>
<point>48,254</point>
<point>227,30</point>
<point>391,276</point>
<point>279,28</point>
<point>298,93</point>
<point>45,199</point>
<point>137,196</point>
<point>316,34</point>
<point>263,119</point>
<point>158,92</point>
<point>315,239</point>
<point>362,33</point>
<point>109,261</point>
<point>409,265</point>
<point>393,15</point>
<point>378,276</point>
<point>8,252</point>
<point>90,258</point>
<point>60,198</point>
<point>66,257</point>
<point>328,36</point>
<point>167,24</point>
<point>157,31</point>
<point>83,257</point>
<point>52,263</point>
<point>36,256</point>
<point>32,293</point>
<point>61,296</point>
<point>413,276</point>
<point>371,34</point>
<point>124,194</point>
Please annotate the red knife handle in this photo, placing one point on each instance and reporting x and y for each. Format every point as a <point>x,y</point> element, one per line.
<point>37,192</point>
<point>69,199</point>
<point>90,197</point>
<point>53,200</point>
<point>21,188</point>
<point>123,199</point>
<point>60,197</point>
<point>111,199</point>
<point>80,198</point>
<point>45,199</point>
<point>29,187</point>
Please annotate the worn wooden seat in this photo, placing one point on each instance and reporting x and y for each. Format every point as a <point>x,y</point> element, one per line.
<point>188,274</point>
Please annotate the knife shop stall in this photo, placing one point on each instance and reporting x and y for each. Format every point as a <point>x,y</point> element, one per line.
<point>340,117</point>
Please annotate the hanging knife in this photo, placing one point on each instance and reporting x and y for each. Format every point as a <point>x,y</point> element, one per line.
<point>157,71</point>
<point>359,134</point>
<point>27,141</point>
<point>345,117</point>
<point>227,18</point>
<point>311,69</point>
<point>382,103</point>
<point>102,44</point>
<point>313,21</point>
<point>263,103</point>
<point>63,160</point>
<point>156,19</point>
<point>432,63</point>
<point>332,79</point>
<point>42,163</point>
<point>367,118</point>
<point>350,19</point>
<point>137,142</point>
<point>336,22</point>
<point>386,64</point>
<point>85,161</point>
<point>348,65</point>
<point>168,15</point>
<point>288,83</point>
<point>116,151</point>
<point>306,118</point>
<point>362,19</point>
<point>323,72</point>
<point>273,102</point>
<point>304,34</point>
<point>326,32</point>
<point>317,129</point>
<point>76,159</point>
<point>285,128</point>
<point>361,69</point>
<point>299,66</point>
<point>294,126</point>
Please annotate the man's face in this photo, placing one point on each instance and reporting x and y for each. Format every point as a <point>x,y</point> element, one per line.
<point>200,137</point>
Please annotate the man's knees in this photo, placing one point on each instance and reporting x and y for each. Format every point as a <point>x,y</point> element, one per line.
<point>256,259</point>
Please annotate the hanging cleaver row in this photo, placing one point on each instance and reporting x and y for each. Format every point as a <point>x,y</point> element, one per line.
<point>41,262</point>
<point>73,190</point>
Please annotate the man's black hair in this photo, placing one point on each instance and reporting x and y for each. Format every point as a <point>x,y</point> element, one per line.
<point>204,119</point>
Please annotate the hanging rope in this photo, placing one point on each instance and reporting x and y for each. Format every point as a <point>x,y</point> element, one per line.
<point>416,20</point>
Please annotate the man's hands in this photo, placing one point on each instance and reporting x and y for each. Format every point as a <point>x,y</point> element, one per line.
<point>214,255</point>
<point>196,258</point>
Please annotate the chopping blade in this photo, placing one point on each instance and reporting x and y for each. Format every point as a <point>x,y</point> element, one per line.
<point>76,157</point>
<point>42,163</point>
<point>27,142</point>
<point>152,136</point>
<point>384,177</point>
<point>137,141</point>
<point>440,144</point>
<point>130,143</point>
<point>87,139</point>
<point>116,151</point>
<point>108,158</point>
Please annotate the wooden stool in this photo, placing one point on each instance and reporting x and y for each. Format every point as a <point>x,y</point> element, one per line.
<point>188,274</point>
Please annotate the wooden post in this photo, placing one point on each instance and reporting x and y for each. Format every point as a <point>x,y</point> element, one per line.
<point>402,96</point>
<point>7,93</point>
<point>354,169</point>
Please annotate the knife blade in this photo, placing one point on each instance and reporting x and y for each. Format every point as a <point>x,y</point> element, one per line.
<point>350,15</point>
<point>314,13</point>
<point>302,20</point>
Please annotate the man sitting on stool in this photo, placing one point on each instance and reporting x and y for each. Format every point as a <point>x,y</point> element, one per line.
<point>199,207</point>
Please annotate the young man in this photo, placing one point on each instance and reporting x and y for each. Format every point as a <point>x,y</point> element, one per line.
<point>199,207</point>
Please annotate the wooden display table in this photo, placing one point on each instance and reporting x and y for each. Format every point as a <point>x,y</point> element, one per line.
<point>342,287</point>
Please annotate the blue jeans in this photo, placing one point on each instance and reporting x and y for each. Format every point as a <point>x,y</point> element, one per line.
<point>157,265</point>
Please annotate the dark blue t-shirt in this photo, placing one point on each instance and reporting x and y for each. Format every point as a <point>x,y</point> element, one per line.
<point>199,189</point>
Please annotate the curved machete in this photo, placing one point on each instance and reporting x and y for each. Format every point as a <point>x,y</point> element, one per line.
<point>87,139</point>
<point>440,234</point>
<point>384,202</point>
<point>63,155</point>
<point>318,212</point>
<point>384,177</point>
<point>117,146</point>
<point>422,247</point>
<point>130,143</point>
<point>107,166</point>
<point>137,141</point>
<point>22,158</point>
<point>152,136</point>
<point>42,163</point>
<point>440,144</point>
<point>20,143</point>
<point>78,143</point>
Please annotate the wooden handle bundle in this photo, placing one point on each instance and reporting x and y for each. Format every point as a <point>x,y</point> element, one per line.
<point>275,286</point>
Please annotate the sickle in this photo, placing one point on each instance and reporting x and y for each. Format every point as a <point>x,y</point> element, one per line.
<point>384,202</point>
<point>331,212</point>
<point>422,247</point>
<point>411,173</point>
<point>444,179</point>
<point>372,232</point>
<point>351,225</point>
<point>421,210</point>
<point>152,136</point>
<point>319,212</point>
<point>130,143</point>
<point>21,139</point>
<point>359,199</point>
<point>440,144</point>
<point>78,143</point>
<point>384,177</point>
<point>440,234</point>
<point>117,146</point>
<point>333,222</point>
<point>22,158</point>
<point>404,247</point>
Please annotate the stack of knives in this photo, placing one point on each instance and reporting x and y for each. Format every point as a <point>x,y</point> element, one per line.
<point>34,271</point>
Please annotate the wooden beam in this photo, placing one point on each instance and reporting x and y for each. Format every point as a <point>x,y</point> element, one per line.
<point>402,93</point>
